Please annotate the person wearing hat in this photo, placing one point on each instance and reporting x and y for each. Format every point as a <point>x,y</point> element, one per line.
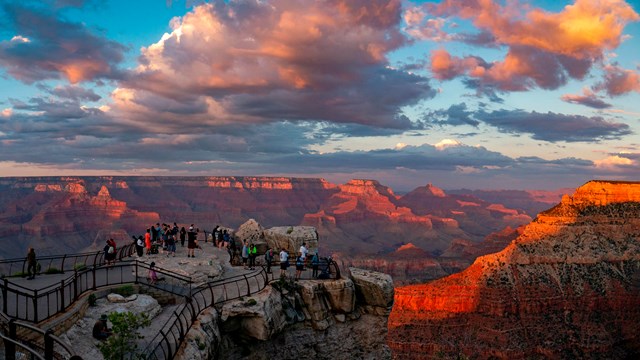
<point>100,329</point>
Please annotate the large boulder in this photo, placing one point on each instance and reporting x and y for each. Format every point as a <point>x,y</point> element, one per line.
<point>253,233</point>
<point>316,306</point>
<point>373,288</point>
<point>260,316</point>
<point>341,295</point>
<point>291,238</point>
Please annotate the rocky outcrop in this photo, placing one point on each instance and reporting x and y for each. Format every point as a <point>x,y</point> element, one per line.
<point>310,319</point>
<point>567,287</point>
<point>291,238</point>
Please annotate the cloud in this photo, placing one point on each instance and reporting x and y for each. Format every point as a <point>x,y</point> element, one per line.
<point>544,49</point>
<point>619,81</point>
<point>257,62</point>
<point>554,127</point>
<point>614,162</point>
<point>46,46</point>
<point>72,92</point>
<point>588,98</point>
<point>455,115</point>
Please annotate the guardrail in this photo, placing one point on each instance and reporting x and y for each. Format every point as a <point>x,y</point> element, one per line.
<point>42,304</point>
<point>51,346</point>
<point>37,305</point>
<point>61,263</point>
<point>166,343</point>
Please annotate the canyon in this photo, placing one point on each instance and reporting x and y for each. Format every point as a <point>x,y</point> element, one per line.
<point>361,220</point>
<point>568,286</point>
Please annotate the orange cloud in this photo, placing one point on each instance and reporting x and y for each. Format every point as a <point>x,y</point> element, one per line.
<point>544,48</point>
<point>618,81</point>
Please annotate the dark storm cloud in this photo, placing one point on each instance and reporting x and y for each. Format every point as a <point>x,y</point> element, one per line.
<point>43,45</point>
<point>455,115</point>
<point>554,127</point>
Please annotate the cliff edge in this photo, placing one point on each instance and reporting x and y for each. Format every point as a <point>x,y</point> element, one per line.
<point>567,287</point>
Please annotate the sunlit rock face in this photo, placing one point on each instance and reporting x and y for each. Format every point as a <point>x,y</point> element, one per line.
<point>567,287</point>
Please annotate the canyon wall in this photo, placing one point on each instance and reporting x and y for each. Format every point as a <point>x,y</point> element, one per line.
<point>67,214</point>
<point>567,287</point>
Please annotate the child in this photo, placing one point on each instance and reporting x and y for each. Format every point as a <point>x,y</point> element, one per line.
<point>153,276</point>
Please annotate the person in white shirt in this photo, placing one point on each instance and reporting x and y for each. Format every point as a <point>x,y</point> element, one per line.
<point>284,262</point>
<point>303,250</point>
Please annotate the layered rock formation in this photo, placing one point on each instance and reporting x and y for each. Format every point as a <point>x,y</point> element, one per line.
<point>567,287</point>
<point>359,218</point>
<point>313,319</point>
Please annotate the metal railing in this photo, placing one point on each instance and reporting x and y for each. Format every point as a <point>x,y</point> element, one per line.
<point>37,305</point>
<point>40,342</point>
<point>166,343</point>
<point>61,263</point>
<point>43,304</point>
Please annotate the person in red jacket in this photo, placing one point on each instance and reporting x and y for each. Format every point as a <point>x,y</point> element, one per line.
<point>147,241</point>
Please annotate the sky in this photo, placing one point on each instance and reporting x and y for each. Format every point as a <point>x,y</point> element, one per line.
<point>476,94</point>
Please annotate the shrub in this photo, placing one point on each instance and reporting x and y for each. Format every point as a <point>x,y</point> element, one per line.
<point>123,343</point>
<point>250,302</point>
<point>124,290</point>
<point>92,300</point>
<point>53,270</point>
<point>79,267</point>
<point>290,230</point>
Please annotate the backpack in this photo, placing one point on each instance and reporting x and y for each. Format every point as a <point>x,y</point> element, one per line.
<point>299,261</point>
<point>111,250</point>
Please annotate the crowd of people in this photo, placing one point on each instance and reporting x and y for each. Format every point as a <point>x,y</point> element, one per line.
<point>163,238</point>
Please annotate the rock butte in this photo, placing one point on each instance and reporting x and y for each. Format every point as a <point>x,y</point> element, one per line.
<point>567,287</point>
<point>69,214</point>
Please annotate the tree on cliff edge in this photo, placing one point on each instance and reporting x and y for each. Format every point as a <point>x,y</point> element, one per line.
<point>123,343</point>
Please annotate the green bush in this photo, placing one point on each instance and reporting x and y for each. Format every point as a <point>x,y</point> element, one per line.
<point>53,270</point>
<point>123,343</point>
<point>79,267</point>
<point>250,302</point>
<point>125,290</point>
<point>290,230</point>
<point>92,300</point>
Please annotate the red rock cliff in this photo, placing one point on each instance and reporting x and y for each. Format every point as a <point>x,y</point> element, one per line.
<point>567,287</point>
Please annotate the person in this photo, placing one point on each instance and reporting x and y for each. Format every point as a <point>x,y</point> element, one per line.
<point>147,241</point>
<point>192,243</point>
<point>225,238</point>
<point>233,251</point>
<point>109,252</point>
<point>303,250</point>
<point>299,266</point>
<point>253,252</point>
<point>171,244</point>
<point>315,264</point>
<point>100,329</point>
<point>139,245</point>
<point>31,263</point>
<point>153,275</point>
<point>214,236</point>
<point>245,253</point>
<point>268,258</point>
<point>284,262</point>
<point>113,251</point>
<point>183,234</point>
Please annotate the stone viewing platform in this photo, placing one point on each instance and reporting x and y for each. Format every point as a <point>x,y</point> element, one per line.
<point>238,310</point>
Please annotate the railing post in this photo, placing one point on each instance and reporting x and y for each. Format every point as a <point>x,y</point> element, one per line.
<point>10,347</point>
<point>248,287</point>
<point>4,295</point>
<point>48,345</point>
<point>35,306</point>
<point>62,265</point>
<point>75,284</point>
<point>62,296</point>
<point>93,273</point>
